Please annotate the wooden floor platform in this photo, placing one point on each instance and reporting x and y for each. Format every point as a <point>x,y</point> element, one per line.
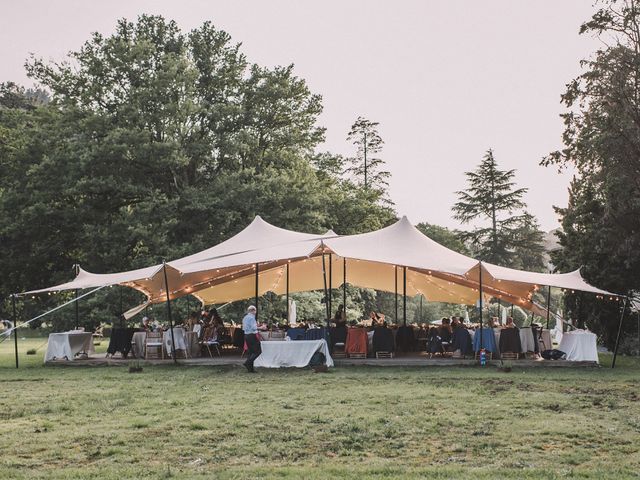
<point>415,360</point>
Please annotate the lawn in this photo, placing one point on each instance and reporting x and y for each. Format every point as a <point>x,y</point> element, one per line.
<point>354,422</point>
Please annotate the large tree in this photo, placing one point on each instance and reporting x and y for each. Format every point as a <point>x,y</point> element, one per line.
<point>157,143</point>
<point>365,166</point>
<point>509,235</point>
<point>601,223</point>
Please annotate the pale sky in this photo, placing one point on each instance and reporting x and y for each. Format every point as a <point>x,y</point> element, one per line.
<point>446,79</point>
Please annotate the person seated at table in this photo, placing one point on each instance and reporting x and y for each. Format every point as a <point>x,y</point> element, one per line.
<point>444,331</point>
<point>461,343</point>
<point>340,318</point>
<point>510,323</point>
<point>146,324</point>
<point>192,321</point>
<point>210,334</point>
<point>434,342</point>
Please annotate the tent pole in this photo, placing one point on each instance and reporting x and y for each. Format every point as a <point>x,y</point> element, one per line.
<point>480,302</point>
<point>77,270</point>
<point>288,310</point>
<point>330,285</point>
<point>166,286</point>
<point>344,287</point>
<point>395,270</point>
<point>404,295</point>
<point>615,350</point>
<point>121,310</point>
<point>257,285</point>
<point>548,305</point>
<point>15,326</point>
<point>326,302</point>
<point>421,308</point>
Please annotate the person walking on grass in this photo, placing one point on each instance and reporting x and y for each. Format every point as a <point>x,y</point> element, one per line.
<point>250,328</point>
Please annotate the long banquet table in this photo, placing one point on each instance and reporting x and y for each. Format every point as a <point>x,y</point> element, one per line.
<point>277,354</point>
<point>68,344</point>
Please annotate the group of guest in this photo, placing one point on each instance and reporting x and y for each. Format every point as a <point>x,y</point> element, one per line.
<point>450,336</point>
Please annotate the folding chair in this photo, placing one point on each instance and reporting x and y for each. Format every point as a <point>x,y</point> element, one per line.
<point>153,346</point>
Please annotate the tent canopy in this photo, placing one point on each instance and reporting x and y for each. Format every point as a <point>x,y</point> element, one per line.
<point>227,271</point>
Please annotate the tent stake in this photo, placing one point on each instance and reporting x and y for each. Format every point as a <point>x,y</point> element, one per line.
<point>404,295</point>
<point>257,285</point>
<point>480,304</point>
<point>166,286</point>
<point>15,326</point>
<point>288,310</point>
<point>615,350</point>
<point>344,287</point>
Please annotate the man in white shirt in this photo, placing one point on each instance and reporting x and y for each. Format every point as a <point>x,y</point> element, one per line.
<point>250,328</point>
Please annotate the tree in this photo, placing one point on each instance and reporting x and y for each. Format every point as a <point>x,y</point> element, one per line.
<point>364,135</point>
<point>158,143</point>
<point>491,195</point>
<point>601,223</point>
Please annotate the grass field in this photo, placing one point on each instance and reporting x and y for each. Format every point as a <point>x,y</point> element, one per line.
<point>355,422</point>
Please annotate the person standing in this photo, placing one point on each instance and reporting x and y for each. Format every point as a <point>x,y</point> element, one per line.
<point>250,328</point>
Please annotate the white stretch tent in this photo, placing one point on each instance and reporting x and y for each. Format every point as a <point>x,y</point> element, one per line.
<point>379,260</point>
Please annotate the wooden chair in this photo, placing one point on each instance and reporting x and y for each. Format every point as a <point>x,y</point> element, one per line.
<point>357,355</point>
<point>339,350</point>
<point>384,354</point>
<point>509,356</point>
<point>153,346</point>
<point>489,355</point>
<point>207,344</point>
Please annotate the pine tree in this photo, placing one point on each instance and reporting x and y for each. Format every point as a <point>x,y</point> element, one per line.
<point>491,195</point>
<point>364,166</point>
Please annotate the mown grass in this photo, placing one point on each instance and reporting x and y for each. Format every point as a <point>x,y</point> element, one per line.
<point>207,422</point>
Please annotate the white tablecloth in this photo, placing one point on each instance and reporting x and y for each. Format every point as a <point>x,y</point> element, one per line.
<point>579,345</point>
<point>295,353</point>
<point>527,342</point>
<point>138,343</point>
<point>545,340</point>
<point>179,335</point>
<point>67,344</point>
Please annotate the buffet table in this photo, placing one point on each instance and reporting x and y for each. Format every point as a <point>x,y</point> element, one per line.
<point>67,344</point>
<point>277,354</point>
<point>579,345</point>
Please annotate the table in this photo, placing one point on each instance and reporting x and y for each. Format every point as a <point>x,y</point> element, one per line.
<point>68,344</point>
<point>527,341</point>
<point>179,335</point>
<point>490,340</point>
<point>545,340</point>
<point>580,346</point>
<point>277,354</point>
<point>137,344</point>
<point>191,339</point>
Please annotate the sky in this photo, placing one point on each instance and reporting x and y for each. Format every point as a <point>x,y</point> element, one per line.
<point>445,79</point>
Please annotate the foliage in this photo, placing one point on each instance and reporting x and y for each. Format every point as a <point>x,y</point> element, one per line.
<point>364,166</point>
<point>513,237</point>
<point>601,224</point>
<point>155,144</point>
